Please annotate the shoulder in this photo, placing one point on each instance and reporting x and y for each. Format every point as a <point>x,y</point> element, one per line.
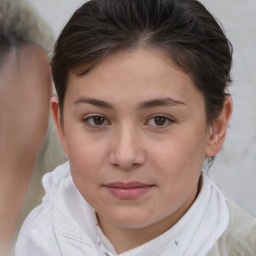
<point>64,224</point>
<point>38,233</point>
<point>239,239</point>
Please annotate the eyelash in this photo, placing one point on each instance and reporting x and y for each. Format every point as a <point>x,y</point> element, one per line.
<point>167,120</point>
<point>92,118</point>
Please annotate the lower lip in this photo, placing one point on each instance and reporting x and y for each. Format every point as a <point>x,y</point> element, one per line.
<point>129,193</point>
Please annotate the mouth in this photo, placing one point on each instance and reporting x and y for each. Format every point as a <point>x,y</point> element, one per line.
<point>128,191</point>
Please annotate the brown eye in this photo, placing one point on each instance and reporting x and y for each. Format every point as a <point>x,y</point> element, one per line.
<point>160,120</point>
<point>98,120</point>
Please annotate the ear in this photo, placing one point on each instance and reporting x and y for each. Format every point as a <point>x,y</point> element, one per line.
<point>57,119</point>
<point>218,129</point>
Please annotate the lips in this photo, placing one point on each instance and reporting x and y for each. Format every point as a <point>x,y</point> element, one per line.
<point>128,191</point>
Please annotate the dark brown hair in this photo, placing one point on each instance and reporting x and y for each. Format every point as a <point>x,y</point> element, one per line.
<point>184,29</point>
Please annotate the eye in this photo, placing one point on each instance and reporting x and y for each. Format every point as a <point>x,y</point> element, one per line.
<point>96,121</point>
<point>159,121</point>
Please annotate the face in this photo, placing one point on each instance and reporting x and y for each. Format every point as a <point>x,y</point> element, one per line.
<point>136,135</point>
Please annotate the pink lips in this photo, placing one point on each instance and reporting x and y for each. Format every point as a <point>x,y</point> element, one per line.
<point>128,191</point>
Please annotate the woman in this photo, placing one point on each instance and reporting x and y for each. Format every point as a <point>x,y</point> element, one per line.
<point>142,102</point>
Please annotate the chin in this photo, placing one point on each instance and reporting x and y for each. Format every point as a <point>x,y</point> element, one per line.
<point>129,220</point>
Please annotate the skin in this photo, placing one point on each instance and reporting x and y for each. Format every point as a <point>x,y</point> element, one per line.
<point>128,142</point>
<point>25,92</point>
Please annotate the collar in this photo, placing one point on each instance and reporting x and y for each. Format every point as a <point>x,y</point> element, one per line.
<point>193,235</point>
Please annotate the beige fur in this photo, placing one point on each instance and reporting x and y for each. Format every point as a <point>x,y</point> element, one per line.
<point>22,21</point>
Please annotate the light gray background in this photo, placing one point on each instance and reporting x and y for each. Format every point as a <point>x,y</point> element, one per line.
<point>235,168</point>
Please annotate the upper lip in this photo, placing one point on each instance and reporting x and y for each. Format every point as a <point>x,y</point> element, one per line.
<point>133,184</point>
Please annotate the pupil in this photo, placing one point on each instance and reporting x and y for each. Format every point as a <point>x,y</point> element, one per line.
<point>98,120</point>
<point>160,120</point>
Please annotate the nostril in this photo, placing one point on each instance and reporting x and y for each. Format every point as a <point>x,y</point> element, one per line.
<point>126,153</point>
<point>126,166</point>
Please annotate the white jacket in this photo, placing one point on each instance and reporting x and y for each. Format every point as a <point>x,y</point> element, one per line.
<point>66,225</point>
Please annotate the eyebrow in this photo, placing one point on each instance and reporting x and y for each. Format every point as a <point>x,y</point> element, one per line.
<point>160,102</point>
<point>94,102</point>
<point>145,104</point>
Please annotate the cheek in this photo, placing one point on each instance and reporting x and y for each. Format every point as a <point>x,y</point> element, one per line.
<point>177,168</point>
<point>180,158</point>
<point>88,159</point>
<point>83,158</point>
<point>84,170</point>
<point>81,146</point>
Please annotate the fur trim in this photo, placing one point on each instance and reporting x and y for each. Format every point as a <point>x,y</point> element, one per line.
<point>21,21</point>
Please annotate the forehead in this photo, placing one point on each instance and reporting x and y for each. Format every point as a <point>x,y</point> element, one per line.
<point>135,73</point>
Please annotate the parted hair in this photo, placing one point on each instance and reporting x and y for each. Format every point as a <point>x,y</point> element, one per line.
<point>20,23</point>
<point>183,29</point>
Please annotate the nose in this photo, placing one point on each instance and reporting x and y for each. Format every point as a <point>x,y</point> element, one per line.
<point>126,149</point>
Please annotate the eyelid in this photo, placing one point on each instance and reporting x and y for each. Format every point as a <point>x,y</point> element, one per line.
<point>86,119</point>
<point>168,118</point>
<point>161,115</point>
<point>92,115</point>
